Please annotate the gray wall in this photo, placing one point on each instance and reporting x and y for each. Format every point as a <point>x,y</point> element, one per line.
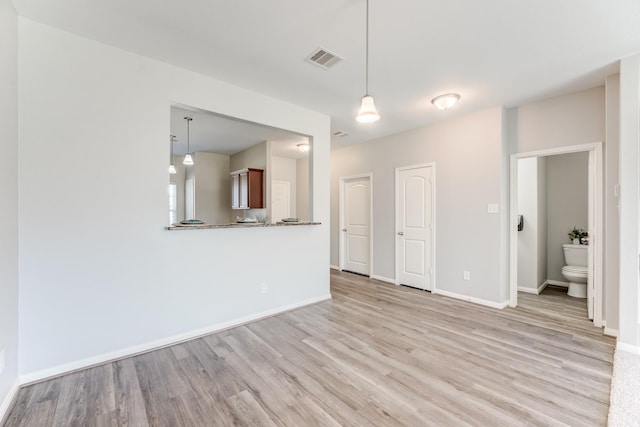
<point>212,187</point>
<point>567,204</point>
<point>467,154</point>
<point>542,220</point>
<point>302,189</point>
<point>284,169</point>
<point>9,207</point>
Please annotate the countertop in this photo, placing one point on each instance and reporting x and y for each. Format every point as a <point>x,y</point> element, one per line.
<point>239,225</point>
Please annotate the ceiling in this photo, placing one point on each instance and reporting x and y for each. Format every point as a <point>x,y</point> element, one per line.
<point>219,134</point>
<point>493,52</point>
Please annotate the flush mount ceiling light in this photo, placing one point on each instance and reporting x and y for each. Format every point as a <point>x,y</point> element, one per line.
<point>446,101</point>
<point>188,160</point>
<point>172,168</point>
<point>368,112</point>
<point>304,147</point>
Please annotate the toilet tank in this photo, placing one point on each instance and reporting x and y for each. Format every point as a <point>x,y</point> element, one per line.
<point>576,255</point>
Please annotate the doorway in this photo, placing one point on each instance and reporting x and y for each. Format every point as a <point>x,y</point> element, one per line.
<point>594,224</point>
<point>415,226</point>
<point>356,217</point>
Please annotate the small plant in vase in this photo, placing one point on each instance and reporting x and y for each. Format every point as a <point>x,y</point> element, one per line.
<point>578,236</point>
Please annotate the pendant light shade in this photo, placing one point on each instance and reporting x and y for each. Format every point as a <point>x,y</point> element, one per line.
<point>172,168</point>
<point>188,160</point>
<point>368,112</point>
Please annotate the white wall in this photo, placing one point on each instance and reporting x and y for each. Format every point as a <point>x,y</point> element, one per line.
<point>9,206</point>
<point>213,187</point>
<point>467,154</point>
<point>612,203</point>
<point>567,205</point>
<point>629,199</point>
<point>102,277</point>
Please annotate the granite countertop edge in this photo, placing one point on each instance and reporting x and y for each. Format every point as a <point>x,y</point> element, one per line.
<point>238,225</point>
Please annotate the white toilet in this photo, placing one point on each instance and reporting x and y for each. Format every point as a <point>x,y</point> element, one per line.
<point>577,269</point>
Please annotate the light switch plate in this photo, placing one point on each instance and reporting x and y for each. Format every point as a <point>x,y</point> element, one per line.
<point>492,208</point>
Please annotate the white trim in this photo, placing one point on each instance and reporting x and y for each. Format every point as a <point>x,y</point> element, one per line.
<point>629,348</point>
<point>343,180</point>
<point>611,332</point>
<point>536,291</point>
<point>558,283</point>
<point>89,362</point>
<point>596,239</point>
<point>334,267</point>
<point>431,165</point>
<point>487,303</point>
<point>383,279</point>
<point>7,403</point>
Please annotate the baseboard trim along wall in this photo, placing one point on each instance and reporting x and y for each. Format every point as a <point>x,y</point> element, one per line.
<point>557,283</point>
<point>536,291</point>
<point>499,305</point>
<point>334,267</point>
<point>383,279</point>
<point>8,401</point>
<point>89,362</point>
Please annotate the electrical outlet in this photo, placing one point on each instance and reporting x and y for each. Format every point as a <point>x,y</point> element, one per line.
<point>1,361</point>
<point>264,288</point>
<point>466,275</point>
<point>493,208</point>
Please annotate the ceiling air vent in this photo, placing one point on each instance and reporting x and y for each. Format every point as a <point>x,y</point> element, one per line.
<point>323,58</point>
<point>340,134</point>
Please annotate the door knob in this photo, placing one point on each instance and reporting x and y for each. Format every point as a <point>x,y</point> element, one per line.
<point>400,233</point>
<point>344,229</point>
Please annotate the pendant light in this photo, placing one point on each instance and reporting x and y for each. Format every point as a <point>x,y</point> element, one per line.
<point>368,112</point>
<point>188,160</point>
<point>172,168</point>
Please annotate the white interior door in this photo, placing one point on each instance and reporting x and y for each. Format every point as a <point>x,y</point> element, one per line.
<point>356,225</point>
<point>189,199</point>
<point>414,221</point>
<point>280,200</point>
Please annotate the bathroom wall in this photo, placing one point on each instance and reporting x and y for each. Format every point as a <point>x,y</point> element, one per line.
<point>567,203</point>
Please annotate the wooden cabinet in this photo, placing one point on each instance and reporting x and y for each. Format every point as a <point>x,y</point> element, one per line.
<point>247,189</point>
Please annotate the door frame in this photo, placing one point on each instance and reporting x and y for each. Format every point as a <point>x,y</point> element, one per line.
<point>431,165</point>
<point>341,243</point>
<point>596,211</point>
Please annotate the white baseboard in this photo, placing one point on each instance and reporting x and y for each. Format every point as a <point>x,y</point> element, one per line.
<point>536,291</point>
<point>629,348</point>
<point>8,401</point>
<point>557,283</point>
<point>499,305</point>
<point>610,332</point>
<point>334,267</point>
<point>89,362</point>
<point>383,279</point>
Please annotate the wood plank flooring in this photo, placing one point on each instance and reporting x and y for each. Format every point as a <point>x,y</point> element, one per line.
<point>376,355</point>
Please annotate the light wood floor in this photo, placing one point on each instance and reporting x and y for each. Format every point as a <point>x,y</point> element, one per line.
<point>376,355</point>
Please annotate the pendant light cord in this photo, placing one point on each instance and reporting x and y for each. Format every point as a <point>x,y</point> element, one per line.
<point>366,70</point>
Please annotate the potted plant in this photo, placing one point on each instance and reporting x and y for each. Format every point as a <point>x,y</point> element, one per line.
<point>578,236</point>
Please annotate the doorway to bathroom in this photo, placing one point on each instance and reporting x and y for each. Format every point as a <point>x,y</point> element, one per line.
<point>556,191</point>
